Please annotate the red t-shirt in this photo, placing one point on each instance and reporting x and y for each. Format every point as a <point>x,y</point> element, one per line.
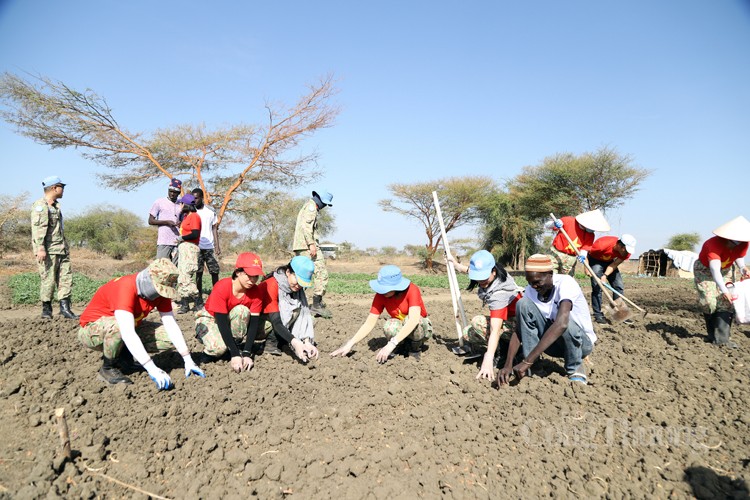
<point>716,249</point>
<point>506,312</point>
<point>582,238</point>
<point>398,305</point>
<point>268,291</point>
<point>121,294</point>
<point>222,299</point>
<point>604,249</point>
<point>189,223</point>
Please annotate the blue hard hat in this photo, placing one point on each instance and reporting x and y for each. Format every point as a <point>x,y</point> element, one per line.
<point>481,265</point>
<point>389,279</point>
<point>324,196</point>
<point>52,180</point>
<point>303,268</point>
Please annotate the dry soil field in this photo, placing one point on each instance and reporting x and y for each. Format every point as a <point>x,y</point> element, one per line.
<point>665,415</point>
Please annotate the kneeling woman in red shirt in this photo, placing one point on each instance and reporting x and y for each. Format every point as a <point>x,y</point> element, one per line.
<point>402,300</point>
<point>286,314</point>
<point>232,311</point>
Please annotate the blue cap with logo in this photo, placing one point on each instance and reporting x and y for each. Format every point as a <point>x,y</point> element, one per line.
<point>303,268</point>
<point>481,265</point>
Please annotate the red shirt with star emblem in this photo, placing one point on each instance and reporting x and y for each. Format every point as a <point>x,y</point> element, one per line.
<point>604,249</point>
<point>582,238</point>
<point>717,248</point>
<point>398,305</point>
<point>222,299</point>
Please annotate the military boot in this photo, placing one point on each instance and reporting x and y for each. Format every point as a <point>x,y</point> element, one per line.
<point>111,374</point>
<point>319,309</point>
<point>47,310</point>
<point>184,306</point>
<point>272,345</point>
<point>65,309</point>
<point>722,325</point>
<point>709,318</point>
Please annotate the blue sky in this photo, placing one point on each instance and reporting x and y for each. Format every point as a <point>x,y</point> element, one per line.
<point>428,89</point>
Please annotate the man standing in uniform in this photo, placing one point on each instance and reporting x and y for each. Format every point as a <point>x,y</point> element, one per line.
<point>208,245</point>
<point>306,242</point>
<point>165,213</point>
<point>51,249</point>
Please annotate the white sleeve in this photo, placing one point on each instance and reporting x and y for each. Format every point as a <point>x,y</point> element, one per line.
<point>715,266</point>
<point>174,332</point>
<point>740,263</point>
<point>126,324</point>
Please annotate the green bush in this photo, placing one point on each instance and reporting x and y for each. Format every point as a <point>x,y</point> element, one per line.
<point>25,288</point>
<point>109,230</point>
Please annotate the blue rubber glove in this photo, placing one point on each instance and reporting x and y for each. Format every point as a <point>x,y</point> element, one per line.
<point>191,367</point>
<point>159,376</point>
<point>558,223</point>
<point>581,259</point>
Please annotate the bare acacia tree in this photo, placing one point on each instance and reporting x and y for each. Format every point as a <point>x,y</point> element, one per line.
<point>227,163</point>
<point>459,201</point>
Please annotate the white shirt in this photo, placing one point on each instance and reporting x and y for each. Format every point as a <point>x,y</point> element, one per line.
<point>565,288</point>
<point>208,221</point>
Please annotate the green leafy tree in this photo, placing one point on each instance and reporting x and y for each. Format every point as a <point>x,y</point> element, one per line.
<point>566,184</point>
<point>459,197</point>
<point>510,234</point>
<point>227,162</point>
<point>110,230</point>
<point>683,241</point>
<point>270,219</point>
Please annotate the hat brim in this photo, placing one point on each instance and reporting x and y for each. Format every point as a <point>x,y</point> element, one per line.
<point>480,275</point>
<point>303,283</point>
<point>630,249</point>
<point>254,271</point>
<point>593,220</point>
<point>383,289</point>
<point>166,291</point>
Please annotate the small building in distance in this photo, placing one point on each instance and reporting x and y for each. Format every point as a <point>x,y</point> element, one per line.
<point>329,250</point>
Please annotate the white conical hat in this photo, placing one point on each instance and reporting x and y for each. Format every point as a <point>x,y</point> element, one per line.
<point>593,220</point>
<point>737,229</point>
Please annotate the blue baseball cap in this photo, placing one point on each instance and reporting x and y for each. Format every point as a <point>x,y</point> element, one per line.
<point>324,196</point>
<point>52,180</point>
<point>481,265</point>
<point>389,279</point>
<point>303,268</point>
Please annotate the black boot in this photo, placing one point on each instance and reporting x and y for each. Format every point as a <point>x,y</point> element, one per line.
<point>47,310</point>
<point>319,309</point>
<point>722,325</point>
<point>272,345</point>
<point>111,374</point>
<point>709,318</point>
<point>199,303</point>
<point>415,349</point>
<point>65,309</point>
<point>184,306</point>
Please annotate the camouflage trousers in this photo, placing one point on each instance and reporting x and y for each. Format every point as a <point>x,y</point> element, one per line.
<point>55,272</point>
<point>478,330</point>
<point>709,296</point>
<point>104,335</point>
<point>207,331</point>
<point>320,275</point>
<point>187,266</point>
<point>422,332</point>
<point>566,264</point>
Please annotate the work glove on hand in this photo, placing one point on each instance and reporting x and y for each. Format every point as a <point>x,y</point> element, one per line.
<point>191,367</point>
<point>159,376</point>
<point>582,256</point>
<point>558,223</point>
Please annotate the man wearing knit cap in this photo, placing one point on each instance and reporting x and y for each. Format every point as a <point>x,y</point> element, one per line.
<point>552,317</point>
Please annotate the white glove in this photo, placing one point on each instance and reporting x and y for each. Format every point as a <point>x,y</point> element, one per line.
<point>159,376</point>
<point>191,367</point>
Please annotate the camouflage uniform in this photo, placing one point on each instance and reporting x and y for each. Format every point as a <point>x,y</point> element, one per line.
<point>187,265</point>
<point>207,331</point>
<point>305,233</point>
<point>478,331</point>
<point>104,335</point>
<point>422,332</point>
<point>47,232</point>
<point>709,296</point>
<point>565,263</point>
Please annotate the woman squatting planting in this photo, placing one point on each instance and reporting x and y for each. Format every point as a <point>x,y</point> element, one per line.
<point>402,300</point>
